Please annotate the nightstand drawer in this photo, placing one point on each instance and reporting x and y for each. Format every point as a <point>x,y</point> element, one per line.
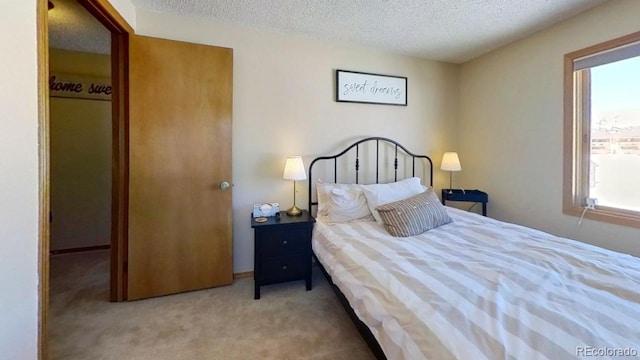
<point>284,268</point>
<point>284,242</point>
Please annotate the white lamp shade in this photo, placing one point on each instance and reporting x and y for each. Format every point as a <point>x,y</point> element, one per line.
<point>450,162</point>
<point>294,169</point>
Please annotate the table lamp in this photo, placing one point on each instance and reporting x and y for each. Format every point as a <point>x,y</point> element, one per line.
<point>294,170</point>
<point>450,163</point>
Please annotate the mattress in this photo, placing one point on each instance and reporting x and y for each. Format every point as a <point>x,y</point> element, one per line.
<point>478,288</point>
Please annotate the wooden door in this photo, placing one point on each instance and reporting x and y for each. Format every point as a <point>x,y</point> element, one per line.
<point>180,221</point>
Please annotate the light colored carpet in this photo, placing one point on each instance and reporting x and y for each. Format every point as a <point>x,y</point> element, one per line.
<point>221,323</point>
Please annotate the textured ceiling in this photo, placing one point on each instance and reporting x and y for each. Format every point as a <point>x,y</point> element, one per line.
<point>71,27</point>
<point>446,30</point>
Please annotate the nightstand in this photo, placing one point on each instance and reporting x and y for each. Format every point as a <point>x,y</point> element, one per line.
<point>475,196</point>
<point>282,250</point>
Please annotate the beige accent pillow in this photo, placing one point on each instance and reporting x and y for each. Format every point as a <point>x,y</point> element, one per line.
<point>414,215</point>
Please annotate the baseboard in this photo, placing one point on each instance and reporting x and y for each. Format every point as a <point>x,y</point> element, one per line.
<point>80,249</point>
<point>243,275</point>
<point>236,276</point>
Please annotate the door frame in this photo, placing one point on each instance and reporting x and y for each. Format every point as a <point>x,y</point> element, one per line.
<point>120,30</point>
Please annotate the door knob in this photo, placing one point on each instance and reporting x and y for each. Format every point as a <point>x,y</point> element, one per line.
<point>224,185</point>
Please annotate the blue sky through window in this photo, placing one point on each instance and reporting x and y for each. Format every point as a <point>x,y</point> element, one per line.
<point>615,134</point>
<point>615,87</point>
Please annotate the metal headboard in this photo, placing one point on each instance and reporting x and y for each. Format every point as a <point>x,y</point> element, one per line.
<point>356,145</point>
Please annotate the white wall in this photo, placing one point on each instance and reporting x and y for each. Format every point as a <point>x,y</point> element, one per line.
<point>511,125</point>
<point>283,104</point>
<point>18,181</point>
<point>127,10</point>
<point>80,157</point>
<point>80,173</point>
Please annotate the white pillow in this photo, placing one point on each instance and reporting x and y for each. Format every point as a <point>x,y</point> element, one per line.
<point>322,189</point>
<point>342,202</point>
<point>380,194</point>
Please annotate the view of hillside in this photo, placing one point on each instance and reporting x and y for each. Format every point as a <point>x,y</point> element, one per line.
<point>615,134</point>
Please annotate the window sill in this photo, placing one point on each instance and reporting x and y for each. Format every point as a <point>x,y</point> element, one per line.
<point>606,214</point>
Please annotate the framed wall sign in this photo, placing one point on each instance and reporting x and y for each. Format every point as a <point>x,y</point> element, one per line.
<point>359,87</point>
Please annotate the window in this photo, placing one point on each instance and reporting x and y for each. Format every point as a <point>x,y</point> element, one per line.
<point>602,131</point>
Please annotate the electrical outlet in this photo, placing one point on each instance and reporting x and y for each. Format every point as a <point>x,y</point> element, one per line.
<point>591,202</point>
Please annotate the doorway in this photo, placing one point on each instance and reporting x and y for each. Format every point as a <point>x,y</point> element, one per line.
<point>175,234</point>
<point>80,129</point>
<point>80,170</point>
<point>120,31</point>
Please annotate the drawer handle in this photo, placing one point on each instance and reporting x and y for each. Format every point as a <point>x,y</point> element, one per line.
<point>284,268</point>
<point>284,242</point>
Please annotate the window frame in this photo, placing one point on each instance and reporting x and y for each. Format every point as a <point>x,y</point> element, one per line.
<point>577,141</point>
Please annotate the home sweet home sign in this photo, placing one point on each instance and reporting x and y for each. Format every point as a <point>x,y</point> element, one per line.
<point>79,86</point>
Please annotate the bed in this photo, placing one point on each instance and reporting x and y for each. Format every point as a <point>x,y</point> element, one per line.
<point>471,288</point>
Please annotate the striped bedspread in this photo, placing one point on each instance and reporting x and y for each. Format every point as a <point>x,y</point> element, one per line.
<point>478,288</point>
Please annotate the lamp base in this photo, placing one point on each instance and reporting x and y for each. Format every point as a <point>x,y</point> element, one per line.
<point>294,211</point>
<point>450,182</point>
